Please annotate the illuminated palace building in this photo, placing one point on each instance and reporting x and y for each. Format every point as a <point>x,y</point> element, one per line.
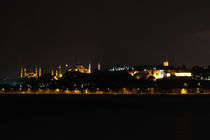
<point>160,72</point>
<point>30,74</point>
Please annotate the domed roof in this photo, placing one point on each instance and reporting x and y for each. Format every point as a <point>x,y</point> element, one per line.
<point>79,67</point>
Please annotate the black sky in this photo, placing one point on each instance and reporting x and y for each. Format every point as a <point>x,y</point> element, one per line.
<point>50,32</point>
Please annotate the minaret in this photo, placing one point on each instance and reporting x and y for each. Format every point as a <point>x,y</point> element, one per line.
<point>99,66</point>
<point>59,72</point>
<point>21,72</point>
<point>89,68</point>
<point>36,72</point>
<point>56,73</point>
<point>52,72</point>
<point>40,71</point>
<point>25,72</point>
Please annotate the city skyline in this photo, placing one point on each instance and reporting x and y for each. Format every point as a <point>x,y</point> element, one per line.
<point>47,68</point>
<point>142,79</point>
<point>100,69</point>
<point>138,32</point>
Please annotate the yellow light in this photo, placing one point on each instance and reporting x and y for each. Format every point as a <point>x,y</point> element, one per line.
<point>48,90</point>
<point>55,77</point>
<point>168,74</point>
<point>89,68</point>
<point>86,91</point>
<point>21,73</point>
<point>40,90</point>
<point>158,74</point>
<point>183,74</point>
<point>132,73</point>
<point>67,91</point>
<point>183,91</point>
<point>165,64</point>
<point>197,90</point>
<point>2,89</point>
<point>57,90</point>
<point>99,92</point>
<point>126,91</point>
<point>77,91</point>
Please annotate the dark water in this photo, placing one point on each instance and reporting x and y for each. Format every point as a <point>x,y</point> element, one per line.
<point>66,117</point>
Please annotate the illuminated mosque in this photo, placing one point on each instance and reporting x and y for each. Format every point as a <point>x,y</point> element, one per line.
<point>30,74</point>
<point>81,69</point>
<point>58,72</point>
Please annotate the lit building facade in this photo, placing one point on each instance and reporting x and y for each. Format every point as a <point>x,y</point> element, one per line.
<point>183,74</point>
<point>159,73</point>
<point>81,69</point>
<point>121,68</point>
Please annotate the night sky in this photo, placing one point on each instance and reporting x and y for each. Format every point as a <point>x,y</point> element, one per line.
<point>51,32</point>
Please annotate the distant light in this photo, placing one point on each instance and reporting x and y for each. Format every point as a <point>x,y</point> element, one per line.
<point>183,74</point>
<point>55,77</point>
<point>67,91</point>
<point>185,84</point>
<point>183,91</point>
<point>86,91</point>
<point>159,74</point>
<point>57,90</point>
<point>168,75</point>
